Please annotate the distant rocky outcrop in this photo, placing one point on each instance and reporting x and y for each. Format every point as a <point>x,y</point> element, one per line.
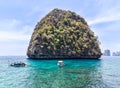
<point>63,34</point>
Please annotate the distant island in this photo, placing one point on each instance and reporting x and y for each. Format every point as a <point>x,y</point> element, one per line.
<point>63,34</point>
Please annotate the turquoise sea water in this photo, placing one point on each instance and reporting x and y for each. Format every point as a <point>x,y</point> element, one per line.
<point>103,73</point>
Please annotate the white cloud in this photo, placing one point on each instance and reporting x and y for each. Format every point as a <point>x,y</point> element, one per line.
<point>9,24</point>
<point>108,11</point>
<point>14,37</point>
<point>104,19</point>
<point>12,29</point>
<point>10,36</point>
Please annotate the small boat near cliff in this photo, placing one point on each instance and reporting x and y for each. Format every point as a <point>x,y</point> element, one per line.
<point>18,64</point>
<point>60,63</point>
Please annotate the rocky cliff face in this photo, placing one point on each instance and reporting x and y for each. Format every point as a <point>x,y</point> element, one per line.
<point>63,34</point>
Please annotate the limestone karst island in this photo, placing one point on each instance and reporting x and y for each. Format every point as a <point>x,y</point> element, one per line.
<point>63,34</point>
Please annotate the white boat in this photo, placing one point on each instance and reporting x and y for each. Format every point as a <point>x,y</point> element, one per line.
<point>60,63</point>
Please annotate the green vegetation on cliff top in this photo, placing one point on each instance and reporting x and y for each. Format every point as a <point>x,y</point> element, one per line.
<point>63,32</point>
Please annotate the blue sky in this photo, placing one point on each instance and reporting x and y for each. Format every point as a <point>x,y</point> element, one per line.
<point>19,17</point>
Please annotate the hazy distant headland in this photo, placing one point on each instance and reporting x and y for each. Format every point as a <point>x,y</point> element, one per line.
<point>63,34</point>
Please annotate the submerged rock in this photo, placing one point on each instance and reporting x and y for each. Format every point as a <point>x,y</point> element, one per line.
<point>65,35</point>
